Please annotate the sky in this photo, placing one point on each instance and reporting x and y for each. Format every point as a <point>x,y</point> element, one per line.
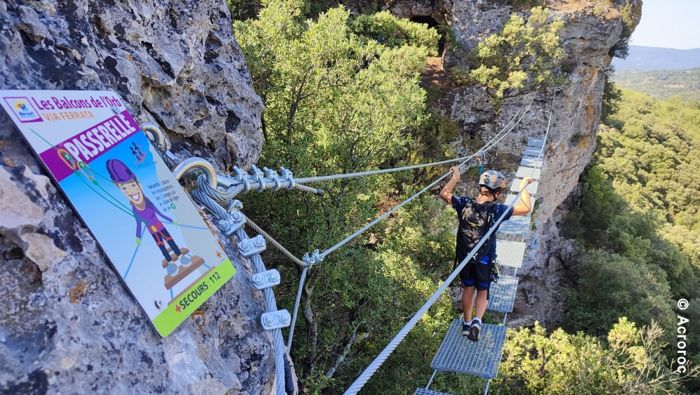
<point>669,24</point>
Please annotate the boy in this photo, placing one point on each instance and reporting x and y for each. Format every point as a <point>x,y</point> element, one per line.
<point>476,216</point>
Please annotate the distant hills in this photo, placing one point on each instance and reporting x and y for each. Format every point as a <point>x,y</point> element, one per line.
<point>661,83</point>
<point>652,58</point>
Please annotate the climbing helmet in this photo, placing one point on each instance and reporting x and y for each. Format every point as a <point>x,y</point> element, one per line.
<point>492,179</point>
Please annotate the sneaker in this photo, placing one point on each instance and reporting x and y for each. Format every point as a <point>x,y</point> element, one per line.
<point>465,328</point>
<point>474,329</point>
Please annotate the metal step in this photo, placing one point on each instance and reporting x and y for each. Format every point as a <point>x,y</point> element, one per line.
<point>515,228</point>
<point>532,188</point>
<point>535,142</point>
<point>532,151</point>
<point>461,355</point>
<point>528,172</point>
<point>510,253</point>
<point>531,162</point>
<point>423,391</point>
<point>502,294</point>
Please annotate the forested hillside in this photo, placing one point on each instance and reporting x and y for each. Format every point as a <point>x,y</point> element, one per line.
<point>638,221</point>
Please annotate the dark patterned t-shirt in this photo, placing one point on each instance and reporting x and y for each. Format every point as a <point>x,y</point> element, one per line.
<point>473,222</point>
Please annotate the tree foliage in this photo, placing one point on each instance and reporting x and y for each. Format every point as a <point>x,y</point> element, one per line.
<point>521,58</point>
<point>638,219</point>
<point>629,362</point>
<point>391,31</point>
<point>337,102</point>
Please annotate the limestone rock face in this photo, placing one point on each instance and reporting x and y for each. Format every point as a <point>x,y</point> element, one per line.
<point>576,109</point>
<point>68,324</point>
<point>176,63</point>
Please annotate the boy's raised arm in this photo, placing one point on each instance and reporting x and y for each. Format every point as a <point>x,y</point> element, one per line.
<point>446,192</point>
<point>524,204</point>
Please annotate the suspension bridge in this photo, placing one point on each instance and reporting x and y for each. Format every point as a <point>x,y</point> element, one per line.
<point>217,194</point>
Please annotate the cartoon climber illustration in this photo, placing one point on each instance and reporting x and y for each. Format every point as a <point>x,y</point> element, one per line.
<point>144,210</point>
<point>178,262</point>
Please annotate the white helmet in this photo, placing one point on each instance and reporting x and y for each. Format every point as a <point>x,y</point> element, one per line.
<point>493,180</point>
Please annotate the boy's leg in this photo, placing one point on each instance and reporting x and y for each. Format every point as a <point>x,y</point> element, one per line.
<point>468,302</point>
<point>481,302</point>
<point>483,283</point>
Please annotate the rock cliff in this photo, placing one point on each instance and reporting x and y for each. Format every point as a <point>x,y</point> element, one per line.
<point>67,324</point>
<point>591,31</point>
<point>589,36</point>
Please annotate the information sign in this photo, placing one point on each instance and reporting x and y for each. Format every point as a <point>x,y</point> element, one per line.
<point>114,178</point>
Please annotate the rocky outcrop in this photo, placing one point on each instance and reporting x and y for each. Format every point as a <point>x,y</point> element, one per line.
<point>588,37</point>
<point>173,64</point>
<point>67,324</point>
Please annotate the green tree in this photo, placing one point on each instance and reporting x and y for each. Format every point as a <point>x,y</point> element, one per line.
<point>630,362</point>
<point>603,293</point>
<point>521,58</point>
<point>391,31</point>
<point>638,219</point>
<point>611,98</point>
<point>337,102</point>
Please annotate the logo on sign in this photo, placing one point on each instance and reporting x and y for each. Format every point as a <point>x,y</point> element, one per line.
<point>23,109</point>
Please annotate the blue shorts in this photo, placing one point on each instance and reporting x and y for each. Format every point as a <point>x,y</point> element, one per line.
<point>476,274</point>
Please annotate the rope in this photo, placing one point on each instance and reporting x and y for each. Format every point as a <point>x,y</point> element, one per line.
<point>307,180</point>
<point>271,306</point>
<point>133,256</point>
<point>386,352</point>
<point>346,240</point>
<point>549,123</point>
<point>274,242</point>
<point>297,301</point>
<point>488,146</point>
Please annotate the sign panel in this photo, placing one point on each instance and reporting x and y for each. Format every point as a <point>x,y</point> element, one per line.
<point>126,195</point>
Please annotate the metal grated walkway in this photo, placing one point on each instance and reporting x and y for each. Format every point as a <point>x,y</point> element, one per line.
<point>461,355</point>
<point>532,151</point>
<point>515,228</point>
<point>502,294</point>
<point>531,162</point>
<point>423,391</point>
<point>528,172</point>
<point>533,142</point>
<point>510,253</point>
